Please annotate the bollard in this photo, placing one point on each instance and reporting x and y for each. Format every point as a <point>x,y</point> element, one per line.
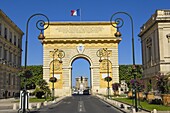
<point>116,103</point>
<point>133,110</point>
<point>14,106</point>
<point>45,103</point>
<point>30,106</point>
<point>53,101</point>
<point>125,106</point>
<point>154,111</point>
<point>38,105</point>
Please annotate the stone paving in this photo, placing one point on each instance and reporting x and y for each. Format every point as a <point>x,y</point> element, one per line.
<point>6,105</point>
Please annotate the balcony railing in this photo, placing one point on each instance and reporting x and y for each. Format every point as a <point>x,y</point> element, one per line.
<point>159,15</point>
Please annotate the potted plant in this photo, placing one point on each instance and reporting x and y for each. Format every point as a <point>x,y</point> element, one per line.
<point>149,95</point>
<point>53,79</point>
<point>115,88</point>
<point>139,88</point>
<point>108,79</point>
<point>163,86</point>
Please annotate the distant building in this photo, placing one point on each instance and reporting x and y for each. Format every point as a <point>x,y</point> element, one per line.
<point>81,83</point>
<point>10,56</point>
<point>155,42</point>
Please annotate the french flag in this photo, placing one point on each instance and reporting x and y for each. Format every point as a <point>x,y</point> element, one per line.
<point>75,12</point>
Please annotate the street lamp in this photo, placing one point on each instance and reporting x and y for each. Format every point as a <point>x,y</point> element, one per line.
<point>119,24</point>
<point>105,53</point>
<point>40,25</point>
<point>53,79</point>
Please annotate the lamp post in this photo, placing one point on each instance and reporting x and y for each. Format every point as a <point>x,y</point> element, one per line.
<point>40,25</point>
<point>53,79</point>
<point>119,24</point>
<point>104,53</point>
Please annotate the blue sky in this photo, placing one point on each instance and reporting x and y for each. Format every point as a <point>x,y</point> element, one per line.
<point>92,10</point>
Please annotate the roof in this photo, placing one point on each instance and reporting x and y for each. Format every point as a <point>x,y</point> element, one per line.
<point>2,14</point>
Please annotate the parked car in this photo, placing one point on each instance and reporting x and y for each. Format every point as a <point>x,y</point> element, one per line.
<point>75,92</point>
<point>86,92</point>
<point>80,92</point>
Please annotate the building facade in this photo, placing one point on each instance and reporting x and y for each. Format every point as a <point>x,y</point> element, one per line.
<point>155,42</point>
<point>10,56</point>
<point>80,40</point>
<point>81,83</point>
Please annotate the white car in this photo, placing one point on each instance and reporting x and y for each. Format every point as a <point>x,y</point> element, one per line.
<point>75,92</point>
<point>81,92</point>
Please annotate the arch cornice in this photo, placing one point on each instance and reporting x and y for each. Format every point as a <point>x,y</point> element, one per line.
<point>82,40</point>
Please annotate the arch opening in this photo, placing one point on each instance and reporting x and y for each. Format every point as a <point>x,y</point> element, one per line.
<point>80,75</point>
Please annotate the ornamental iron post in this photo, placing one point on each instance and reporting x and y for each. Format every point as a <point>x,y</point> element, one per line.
<point>40,25</point>
<point>104,53</point>
<point>61,55</point>
<point>119,24</point>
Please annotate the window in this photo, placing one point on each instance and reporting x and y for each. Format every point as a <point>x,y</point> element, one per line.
<point>10,36</point>
<point>14,80</point>
<point>15,40</point>
<point>0,52</point>
<point>149,54</point>
<point>149,51</point>
<point>19,61</point>
<point>0,29</point>
<point>9,79</point>
<point>19,43</point>
<point>10,57</point>
<point>5,54</point>
<point>5,33</point>
<point>14,59</point>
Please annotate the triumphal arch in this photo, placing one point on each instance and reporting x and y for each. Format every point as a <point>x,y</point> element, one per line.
<point>80,40</point>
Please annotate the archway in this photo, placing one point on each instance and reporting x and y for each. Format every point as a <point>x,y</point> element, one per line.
<point>80,71</point>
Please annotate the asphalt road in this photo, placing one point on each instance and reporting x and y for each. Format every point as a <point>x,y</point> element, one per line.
<point>80,104</point>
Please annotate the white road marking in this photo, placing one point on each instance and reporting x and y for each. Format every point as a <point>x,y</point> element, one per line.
<point>81,107</point>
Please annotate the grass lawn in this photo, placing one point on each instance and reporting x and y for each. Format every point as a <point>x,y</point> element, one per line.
<point>34,100</point>
<point>38,99</point>
<point>145,105</point>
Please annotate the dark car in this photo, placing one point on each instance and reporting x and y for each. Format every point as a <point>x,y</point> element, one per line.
<point>86,92</point>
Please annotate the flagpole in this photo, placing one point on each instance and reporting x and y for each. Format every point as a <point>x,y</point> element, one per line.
<point>80,14</point>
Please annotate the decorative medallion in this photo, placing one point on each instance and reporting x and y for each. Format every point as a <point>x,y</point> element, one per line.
<point>80,48</point>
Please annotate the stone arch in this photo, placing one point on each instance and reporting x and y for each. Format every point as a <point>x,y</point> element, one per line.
<point>80,40</point>
<point>80,56</point>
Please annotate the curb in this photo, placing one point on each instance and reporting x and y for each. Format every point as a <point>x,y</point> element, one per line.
<point>34,110</point>
<point>119,107</point>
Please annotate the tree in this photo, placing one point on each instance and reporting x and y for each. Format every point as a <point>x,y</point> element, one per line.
<point>115,86</point>
<point>42,89</point>
<point>125,73</point>
<point>163,83</point>
<point>37,75</point>
<point>139,84</point>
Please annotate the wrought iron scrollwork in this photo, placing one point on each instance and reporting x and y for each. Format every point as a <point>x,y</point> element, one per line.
<point>119,21</point>
<point>40,23</point>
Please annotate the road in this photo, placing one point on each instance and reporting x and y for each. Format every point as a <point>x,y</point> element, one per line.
<point>80,104</point>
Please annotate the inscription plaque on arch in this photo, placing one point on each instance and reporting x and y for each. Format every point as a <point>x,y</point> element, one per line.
<point>60,30</point>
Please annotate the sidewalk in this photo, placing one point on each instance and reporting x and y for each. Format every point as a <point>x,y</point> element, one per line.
<point>8,105</point>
